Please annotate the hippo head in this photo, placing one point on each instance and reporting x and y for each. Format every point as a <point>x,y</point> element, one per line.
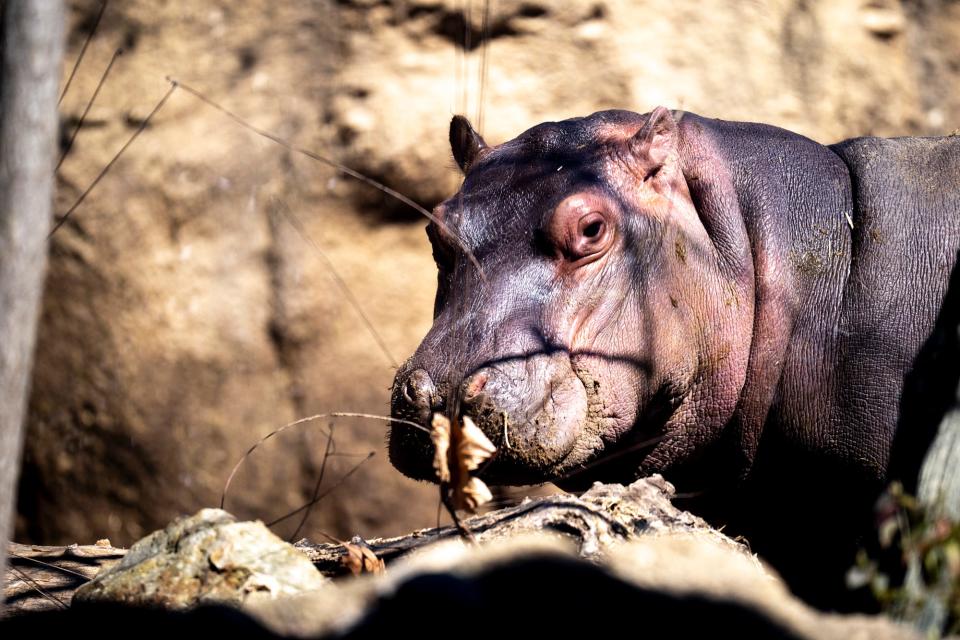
<point>585,317</point>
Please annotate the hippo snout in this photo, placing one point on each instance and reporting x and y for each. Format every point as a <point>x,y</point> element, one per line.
<point>532,408</point>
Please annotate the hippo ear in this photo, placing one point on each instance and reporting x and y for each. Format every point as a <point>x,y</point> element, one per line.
<point>465,142</point>
<point>655,142</point>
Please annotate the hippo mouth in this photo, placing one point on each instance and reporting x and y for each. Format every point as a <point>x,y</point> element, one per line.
<point>543,412</point>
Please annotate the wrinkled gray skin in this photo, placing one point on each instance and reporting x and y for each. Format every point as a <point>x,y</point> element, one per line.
<point>761,318</point>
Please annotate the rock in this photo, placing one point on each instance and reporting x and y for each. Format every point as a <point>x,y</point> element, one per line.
<point>206,558</point>
<point>535,585</point>
<point>883,22</point>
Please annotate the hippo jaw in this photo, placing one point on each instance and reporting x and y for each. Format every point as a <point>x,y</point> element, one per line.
<point>599,326</point>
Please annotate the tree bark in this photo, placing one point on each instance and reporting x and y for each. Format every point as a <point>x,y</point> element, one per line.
<point>29,75</point>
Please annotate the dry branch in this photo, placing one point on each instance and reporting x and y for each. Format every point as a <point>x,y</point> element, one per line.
<point>605,515</point>
<point>38,577</point>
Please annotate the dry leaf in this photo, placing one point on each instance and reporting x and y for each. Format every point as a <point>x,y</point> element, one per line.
<point>471,495</point>
<point>440,435</point>
<point>361,559</point>
<point>473,446</point>
<point>453,464</point>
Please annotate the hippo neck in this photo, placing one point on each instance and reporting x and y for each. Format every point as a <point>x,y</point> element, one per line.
<point>777,204</point>
<point>855,251</point>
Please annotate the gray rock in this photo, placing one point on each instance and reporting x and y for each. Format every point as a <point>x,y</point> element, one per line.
<point>208,557</point>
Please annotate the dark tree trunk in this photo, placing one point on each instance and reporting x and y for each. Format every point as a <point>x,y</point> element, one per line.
<point>32,46</point>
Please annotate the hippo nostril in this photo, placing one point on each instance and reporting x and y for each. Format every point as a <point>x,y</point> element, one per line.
<point>410,392</point>
<point>418,389</point>
<point>473,386</point>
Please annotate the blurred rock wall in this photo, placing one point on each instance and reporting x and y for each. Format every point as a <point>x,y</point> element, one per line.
<point>185,317</point>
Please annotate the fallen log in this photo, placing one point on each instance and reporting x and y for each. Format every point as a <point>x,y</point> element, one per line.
<point>43,578</point>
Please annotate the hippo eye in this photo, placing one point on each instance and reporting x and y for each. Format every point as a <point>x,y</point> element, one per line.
<point>592,229</point>
<point>581,229</point>
<point>589,238</point>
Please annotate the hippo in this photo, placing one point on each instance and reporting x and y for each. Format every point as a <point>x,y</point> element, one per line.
<point>767,321</point>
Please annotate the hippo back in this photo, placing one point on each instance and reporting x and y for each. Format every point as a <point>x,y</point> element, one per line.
<point>901,305</point>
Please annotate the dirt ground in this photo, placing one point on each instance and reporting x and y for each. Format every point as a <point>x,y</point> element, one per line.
<point>185,317</point>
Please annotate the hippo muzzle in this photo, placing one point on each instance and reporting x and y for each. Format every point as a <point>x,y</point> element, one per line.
<point>534,409</point>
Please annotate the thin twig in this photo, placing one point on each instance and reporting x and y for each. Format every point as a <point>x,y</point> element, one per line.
<point>484,63</point>
<point>86,110</point>
<point>37,588</point>
<point>373,416</point>
<point>336,414</point>
<point>325,493</point>
<point>467,17</point>
<point>353,173</point>
<point>608,458</point>
<point>103,172</point>
<point>465,533</point>
<point>340,283</point>
<point>332,539</point>
<point>83,51</point>
<point>316,488</point>
<point>49,565</point>
<point>458,69</point>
